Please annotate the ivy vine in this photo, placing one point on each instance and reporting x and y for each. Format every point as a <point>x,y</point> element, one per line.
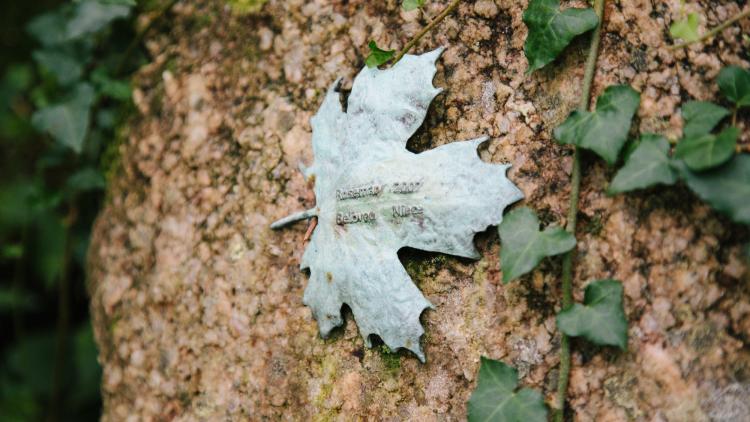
<point>706,159</point>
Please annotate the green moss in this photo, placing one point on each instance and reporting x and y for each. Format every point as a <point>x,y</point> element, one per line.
<point>594,225</point>
<point>620,391</point>
<point>111,161</point>
<point>246,7</point>
<point>202,20</point>
<point>152,5</point>
<point>327,374</point>
<point>420,268</point>
<point>480,271</point>
<point>391,359</point>
<point>326,416</point>
<point>113,326</point>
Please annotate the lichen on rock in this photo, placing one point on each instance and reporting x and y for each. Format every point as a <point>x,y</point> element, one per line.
<point>197,305</point>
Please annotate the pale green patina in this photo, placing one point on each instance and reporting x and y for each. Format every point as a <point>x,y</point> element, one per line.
<point>375,197</point>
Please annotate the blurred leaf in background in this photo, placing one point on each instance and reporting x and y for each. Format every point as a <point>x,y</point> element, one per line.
<point>64,95</point>
<point>67,121</point>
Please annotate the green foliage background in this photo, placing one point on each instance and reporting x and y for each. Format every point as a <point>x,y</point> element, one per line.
<point>64,96</point>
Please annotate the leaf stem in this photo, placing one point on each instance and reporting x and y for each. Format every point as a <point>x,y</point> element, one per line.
<point>726,24</point>
<point>293,218</point>
<point>447,11</point>
<point>575,188</point>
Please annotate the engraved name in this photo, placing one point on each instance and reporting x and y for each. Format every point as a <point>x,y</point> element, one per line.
<point>405,210</point>
<point>358,192</point>
<point>354,217</point>
<point>376,189</point>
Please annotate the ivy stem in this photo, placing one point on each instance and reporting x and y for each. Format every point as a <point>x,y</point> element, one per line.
<point>447,11</point>
<point>724,25</point>
<point>575,188</point>
<point>63,317</point>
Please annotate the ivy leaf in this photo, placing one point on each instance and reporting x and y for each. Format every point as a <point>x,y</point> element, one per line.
<point>11,299</point>
<point>11,251</point>
<point>106,85</point>
<point>409,5</point>
<point>85,179</point>
<point>551,30</point>
<point>17,200</point>
<point>647,165</point>
<point>65,68</point>
<point>601,319</point>
<point>67,121</point>
<point>88,373</point>
<point>120,2</point>
<point>734,83</point>
<point>92,16</point>
<point>373,197</point>
<point>726,188</point>
<point>605,130</point>
<point>707,151</point>
<point>498,399</point>
<point>17,78</point>
<point>524,246</point>
<point>377,56</point>
<point>28,360</point>
<point>49,247</point>
<point>49,28</point>
<point>701,117</point>
<point>686,29</point>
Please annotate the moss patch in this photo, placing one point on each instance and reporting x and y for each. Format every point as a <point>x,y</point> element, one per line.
<point>391,359</point>
<point>246,7</point>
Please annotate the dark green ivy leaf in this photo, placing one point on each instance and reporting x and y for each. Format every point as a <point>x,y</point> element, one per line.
<point>524,246</point>
<point>65,68</point>
<point>106,85</point>
<point>16,199</point>
<point>50,28</point>
<point>73,21</point>
<point>551,30</point>
<point>726,188</point>
<point>734,83</point>
<point>17,78</point>
<point>85,179</point>
<point>11,299</point>
<point>601,319</point>
<point>49,247</point>
<point>67,121</point>
<point>605,130</point>
<point>120,2</point>
<point>377,56</point>
<point>11,251</point>
<point>29,361</point>
<point>88,372</point>
<point>412,4</point>
<point>497,399</point>
<point>646,166</point>
<point>701,117</point>
<point>18,403</point>
<point>707,151</point>
<point>687,29</point>
<point>92,16</point>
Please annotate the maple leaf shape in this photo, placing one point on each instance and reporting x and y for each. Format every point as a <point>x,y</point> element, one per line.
<point>375,197</point>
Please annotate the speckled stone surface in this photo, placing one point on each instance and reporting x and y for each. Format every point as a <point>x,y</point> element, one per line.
<point>197,304</point>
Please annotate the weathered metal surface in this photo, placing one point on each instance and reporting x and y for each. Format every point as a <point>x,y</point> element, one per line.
<point>375,197</point>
